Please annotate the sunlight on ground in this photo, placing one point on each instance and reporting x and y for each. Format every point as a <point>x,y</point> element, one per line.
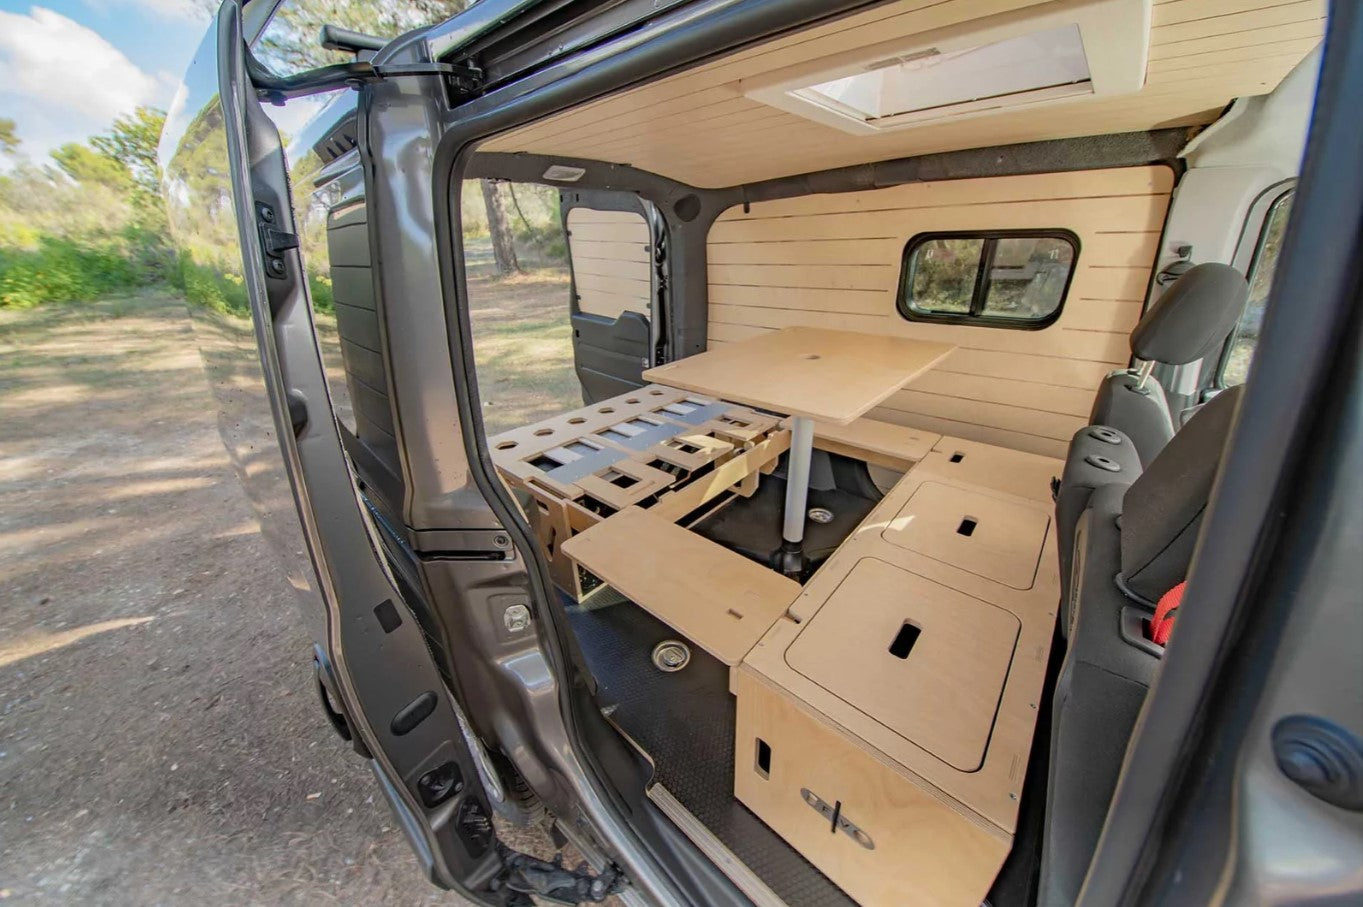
<point>39,642</point>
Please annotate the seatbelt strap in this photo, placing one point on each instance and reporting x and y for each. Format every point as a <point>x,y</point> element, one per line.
<point>1162,624</point>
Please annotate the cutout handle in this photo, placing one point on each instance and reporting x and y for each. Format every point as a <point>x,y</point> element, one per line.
<point>904,640</point>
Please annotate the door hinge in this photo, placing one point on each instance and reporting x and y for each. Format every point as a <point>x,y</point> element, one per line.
<point>525,876</point>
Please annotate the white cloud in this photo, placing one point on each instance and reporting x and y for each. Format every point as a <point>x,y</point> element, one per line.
<point>68,69</point>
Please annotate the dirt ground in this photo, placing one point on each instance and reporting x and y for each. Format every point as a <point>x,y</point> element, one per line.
<point>160,741</point>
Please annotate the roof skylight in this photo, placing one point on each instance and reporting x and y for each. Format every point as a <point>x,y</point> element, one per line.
<point>1077,49</point>
<point>988,75</point>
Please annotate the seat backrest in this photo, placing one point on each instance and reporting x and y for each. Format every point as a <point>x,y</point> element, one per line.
<point>1098,456</point>
<point>1163,509</point>
<point>1130,541</point>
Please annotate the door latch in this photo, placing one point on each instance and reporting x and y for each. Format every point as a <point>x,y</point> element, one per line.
<point>274,242</point>
<point>836,820</point>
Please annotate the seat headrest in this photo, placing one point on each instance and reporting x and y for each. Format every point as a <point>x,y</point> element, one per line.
<point>1162,510</point>
<point>1193,317</point>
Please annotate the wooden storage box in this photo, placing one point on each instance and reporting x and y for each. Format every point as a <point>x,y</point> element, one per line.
<point>896,841</point>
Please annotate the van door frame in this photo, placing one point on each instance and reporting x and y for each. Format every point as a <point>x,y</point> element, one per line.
<point>379,670</point>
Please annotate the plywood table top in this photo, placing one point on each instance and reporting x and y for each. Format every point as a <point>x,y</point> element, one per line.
<point>832,376</point>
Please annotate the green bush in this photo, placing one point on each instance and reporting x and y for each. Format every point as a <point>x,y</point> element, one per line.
<point>207,286</point>
<point>224,291</point>
<point>62,270</point>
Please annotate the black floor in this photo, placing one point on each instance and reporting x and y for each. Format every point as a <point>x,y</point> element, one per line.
<point>685,721</point>
<point>752,526</point>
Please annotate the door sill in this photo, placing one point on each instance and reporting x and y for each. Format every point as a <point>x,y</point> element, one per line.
<point>737,871</point>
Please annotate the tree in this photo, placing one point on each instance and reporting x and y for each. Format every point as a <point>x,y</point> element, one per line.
<point>498,224</point>
<point>9,137</point>
<point>132,142</point>
<point>88,167</point>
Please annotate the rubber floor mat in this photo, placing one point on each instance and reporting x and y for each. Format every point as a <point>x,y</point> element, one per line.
<point>685,720</point>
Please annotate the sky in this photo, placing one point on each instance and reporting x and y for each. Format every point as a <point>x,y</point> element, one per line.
<point>72,66</point>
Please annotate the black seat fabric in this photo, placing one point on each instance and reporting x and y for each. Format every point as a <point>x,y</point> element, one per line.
<point>1164,507</point>
<point>1098,456</point>
<point>1190,321</point>
<point>1098,697</point>
<point>1131,545</point>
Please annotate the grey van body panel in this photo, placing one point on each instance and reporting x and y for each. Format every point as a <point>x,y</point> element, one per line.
<point>380,666</point>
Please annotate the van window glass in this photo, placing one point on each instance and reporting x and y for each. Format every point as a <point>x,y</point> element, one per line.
<point>289,43</point>
<point>944,275</point>
<point>1003,279</point>
<point>1235,364</point>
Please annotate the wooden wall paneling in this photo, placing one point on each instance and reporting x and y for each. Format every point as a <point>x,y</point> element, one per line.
<point>611,261</point>
<point>698,127</point>
<point>1025,389</point>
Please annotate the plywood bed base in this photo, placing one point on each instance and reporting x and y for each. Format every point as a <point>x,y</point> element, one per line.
<point>664,449</point>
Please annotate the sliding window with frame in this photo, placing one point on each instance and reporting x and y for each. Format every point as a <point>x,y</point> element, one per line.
<point>1001,278</point>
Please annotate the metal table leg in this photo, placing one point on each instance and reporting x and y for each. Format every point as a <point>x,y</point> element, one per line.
<point>797,495</point>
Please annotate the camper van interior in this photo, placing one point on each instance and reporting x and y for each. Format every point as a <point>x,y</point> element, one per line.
<point>907,345</point>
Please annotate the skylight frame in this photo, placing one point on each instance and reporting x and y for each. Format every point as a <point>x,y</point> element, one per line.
<point>1115,36</point>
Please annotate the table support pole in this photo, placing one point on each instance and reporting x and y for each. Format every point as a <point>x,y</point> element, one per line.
<point>797,494</point>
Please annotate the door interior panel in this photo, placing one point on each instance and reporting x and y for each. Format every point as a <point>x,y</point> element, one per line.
<point>609,354</point>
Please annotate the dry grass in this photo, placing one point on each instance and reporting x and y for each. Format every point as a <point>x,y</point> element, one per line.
<point>523,344</point>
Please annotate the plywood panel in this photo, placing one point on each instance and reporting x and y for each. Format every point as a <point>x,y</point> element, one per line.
<point>979,532</point>
<point>834,376</point>
<point>718,599</point>
<point>972,463</point>
<point>941,689</point>
<point>610,254</point>
<point>1026,389</point>
<point>698,127</point>
<point>928,851</point>
<point>993,788</point>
